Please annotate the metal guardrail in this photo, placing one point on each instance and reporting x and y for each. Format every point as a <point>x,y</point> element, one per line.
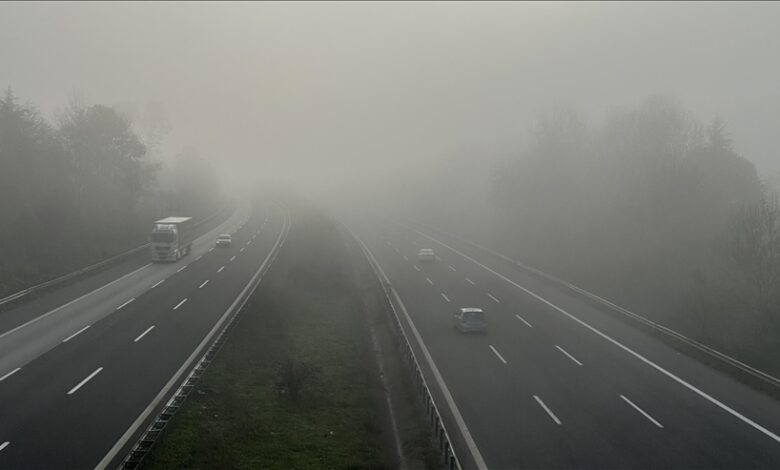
<point>438,429</point>
<point>90,268</point>
<point>668,332</point>
<point>152,434</point>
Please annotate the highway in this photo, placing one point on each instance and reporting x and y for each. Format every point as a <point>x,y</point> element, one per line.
<point>557,383</point>
<point>81,367</point>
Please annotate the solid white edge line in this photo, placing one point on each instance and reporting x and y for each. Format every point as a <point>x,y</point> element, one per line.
<point>125,304</point>
<point>459,421</point>
<point>620,345</point>
<point>75,334</point>
<point>549,412</point>
<point>568,355</point>
<point>122,441</point>
<point>642,412</point>
<point>523,320</point>
<point>445,297</point>
<point>157,284</point>
<point>494,299</point>
<point>4,445</point>
<point>204,283</point>
<point>81,384</point>
<point>180,304</point>
<point>29,322</point>
<point>143,334</point>
<point>497,353</point>
<point>10,373</point>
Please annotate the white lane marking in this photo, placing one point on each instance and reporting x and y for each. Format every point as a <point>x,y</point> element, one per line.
<point>568,355</point>
<point>126,303</point>
<point>181,269</point>
<point>406,258</point>
<point>397,250</point>
<point>414,243</point>
<point>10,373</point>
<point>471,282</point>
<point>497,353</point>
<point>523,320</point>
<point>29,322</point>
<point>4,445</point>
<point>158,283</point>
<point>494,299</point>
<point>437,258</point>
<point>452,269</point>
<point>232,258</point>
<point>549,412</point>
<point>143,334</point>
<point>124,438</point>
<point>625,348</point>
<point>416,268</point>
<point>642,412</point>
<point>249,242</point>
<point>81,384</point>
<point>211,249</point>
<point>199,257</point>
<point>461,423</point>
<point>242,249</point>
<point>445,297</point>
<point>220,269</point>
<point>204,283</point>
<point>429,280</point>
<point>388,244</point>
<point>75,334</point>
<point>179,304</point>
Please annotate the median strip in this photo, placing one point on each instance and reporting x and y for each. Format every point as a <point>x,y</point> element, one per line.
<point>81,384</point>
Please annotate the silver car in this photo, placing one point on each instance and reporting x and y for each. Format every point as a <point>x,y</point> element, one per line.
<point>470,320</point>
<point>224,240</point>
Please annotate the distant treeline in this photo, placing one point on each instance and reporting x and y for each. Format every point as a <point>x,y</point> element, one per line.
<point>81,189</point>
<point>652,209</point>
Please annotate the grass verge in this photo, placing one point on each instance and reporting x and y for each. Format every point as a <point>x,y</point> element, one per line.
<point>296,384</point>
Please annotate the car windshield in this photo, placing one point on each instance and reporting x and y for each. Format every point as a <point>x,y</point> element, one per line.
<point>474,317</point>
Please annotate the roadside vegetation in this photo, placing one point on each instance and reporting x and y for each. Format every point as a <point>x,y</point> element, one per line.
<point>296,385</point>
<point>649,207</point>
<point>85,187</point>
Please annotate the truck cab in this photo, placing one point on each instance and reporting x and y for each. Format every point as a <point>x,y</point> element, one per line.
<point>171,238</point>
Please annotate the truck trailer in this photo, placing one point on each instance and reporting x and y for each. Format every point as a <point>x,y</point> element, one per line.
<point>171,238</point>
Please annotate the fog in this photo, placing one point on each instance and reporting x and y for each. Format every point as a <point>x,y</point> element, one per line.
<point>544,129</point>
<point>327,92</point>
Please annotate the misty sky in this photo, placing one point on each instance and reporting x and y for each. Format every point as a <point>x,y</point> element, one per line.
<point>314,89</point>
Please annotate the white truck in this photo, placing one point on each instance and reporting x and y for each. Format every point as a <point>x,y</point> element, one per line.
<point>171,238</point>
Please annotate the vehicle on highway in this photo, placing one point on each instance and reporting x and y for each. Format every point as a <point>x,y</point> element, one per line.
<point>224,240</point>
<point>171,238</point>
<point>426,254</point>
<point>470,320</point>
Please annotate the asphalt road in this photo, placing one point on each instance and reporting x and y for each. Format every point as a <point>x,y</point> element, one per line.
<point>556,383</point>
<point>74,377</point>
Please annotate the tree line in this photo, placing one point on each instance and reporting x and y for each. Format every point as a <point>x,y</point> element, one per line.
<point>82,188</point>
<point>655,210</point>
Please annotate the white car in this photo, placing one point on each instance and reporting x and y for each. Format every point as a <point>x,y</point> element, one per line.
<point>426,254</point>
<point>224,240</point>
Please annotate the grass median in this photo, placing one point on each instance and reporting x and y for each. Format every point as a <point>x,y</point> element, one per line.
<point>296,384</point>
